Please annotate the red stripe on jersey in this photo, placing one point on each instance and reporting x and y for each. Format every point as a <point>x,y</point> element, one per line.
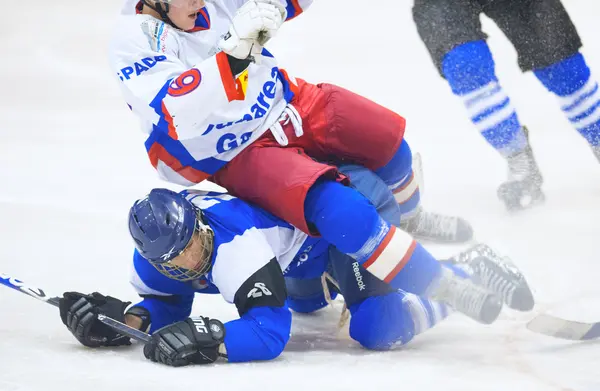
<point>293,86</point>
<point>172,130</point>
<point>158,152</point>
<point>227,78</point>
<point>297,9</point>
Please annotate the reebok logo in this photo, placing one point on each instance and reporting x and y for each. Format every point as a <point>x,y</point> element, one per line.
<point>358,276</point>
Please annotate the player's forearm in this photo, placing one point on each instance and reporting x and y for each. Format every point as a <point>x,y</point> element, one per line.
<point>153,313</point>
<point>260,334</point>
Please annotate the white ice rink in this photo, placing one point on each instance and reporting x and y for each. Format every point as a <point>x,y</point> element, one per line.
<point>72,161</point>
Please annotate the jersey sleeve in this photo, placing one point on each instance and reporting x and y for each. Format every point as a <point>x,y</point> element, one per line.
<point>295,7</point>
<point>239,259</point>
<point>150,72</point>
<point>173,100</point>
<point>263,329</point>
<point>247,274</point>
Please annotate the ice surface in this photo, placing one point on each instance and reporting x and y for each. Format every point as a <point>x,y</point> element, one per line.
<point>73,161</point>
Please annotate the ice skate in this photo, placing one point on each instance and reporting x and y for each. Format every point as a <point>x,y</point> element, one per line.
<point>436,227</point>
<point>523,187</point>
<point>596,151</point>
<point>497,274</point>
<point>466,297</point>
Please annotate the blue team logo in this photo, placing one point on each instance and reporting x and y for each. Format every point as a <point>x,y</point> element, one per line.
<point>139,67</point>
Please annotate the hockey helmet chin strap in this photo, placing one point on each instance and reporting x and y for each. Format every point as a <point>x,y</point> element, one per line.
<point>163,10</point>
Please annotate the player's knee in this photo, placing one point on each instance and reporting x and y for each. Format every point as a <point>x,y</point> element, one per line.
<point>335,211</point>
<point>445,24</point>
<point>550,37</point>
<point>398,167</point>
<point>469,66</point>
<point>381,322</point>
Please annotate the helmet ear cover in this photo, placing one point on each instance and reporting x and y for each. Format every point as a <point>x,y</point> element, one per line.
<point>162,7</point>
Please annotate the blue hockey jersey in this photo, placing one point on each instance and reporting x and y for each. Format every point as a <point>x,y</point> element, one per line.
<point>246,240</point>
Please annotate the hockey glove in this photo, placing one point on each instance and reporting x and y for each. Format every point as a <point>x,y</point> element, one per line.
<point>265,35</point>
<point>255,18</point>
<point>191,341</point>
<point>78,312</point>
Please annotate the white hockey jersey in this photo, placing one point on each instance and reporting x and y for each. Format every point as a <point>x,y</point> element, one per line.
<point>197,114</point>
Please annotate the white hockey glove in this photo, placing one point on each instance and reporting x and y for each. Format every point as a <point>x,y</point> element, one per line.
<point>255,18</point>
<point>265,35</point>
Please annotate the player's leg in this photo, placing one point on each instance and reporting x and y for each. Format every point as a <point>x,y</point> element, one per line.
<point>404,182</point>
<point>578,95</point>
<point>451,31</point>
<point>548,44</point>
<point>309,195</point>
<point>307,295</point>
<point>495,273</point>
<point>392,320</point>
<point>341,126</point>
<point>346,219</point>
<point>303,277</point>
<point>382,317</point>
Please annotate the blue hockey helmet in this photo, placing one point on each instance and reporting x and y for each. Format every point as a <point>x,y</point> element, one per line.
<point>162,225</point>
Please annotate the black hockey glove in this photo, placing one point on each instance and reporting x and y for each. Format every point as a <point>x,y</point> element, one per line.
<point>191,341</point>
<point>78,312</point>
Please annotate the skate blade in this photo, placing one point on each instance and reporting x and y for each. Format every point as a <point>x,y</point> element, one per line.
<point>523,202</point>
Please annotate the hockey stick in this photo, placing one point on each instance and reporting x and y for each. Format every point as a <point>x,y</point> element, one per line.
<point>563,328</point>
<point>39,294</point>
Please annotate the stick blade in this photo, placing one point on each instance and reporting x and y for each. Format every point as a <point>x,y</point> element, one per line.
<point>562,328</point>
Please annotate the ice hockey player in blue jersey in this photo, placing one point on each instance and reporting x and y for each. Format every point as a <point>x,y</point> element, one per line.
<point>196,242</point>
<point>546,42</point>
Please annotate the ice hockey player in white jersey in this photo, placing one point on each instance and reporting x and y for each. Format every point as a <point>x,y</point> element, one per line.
<point>196,242</point>
<point>215,104</point>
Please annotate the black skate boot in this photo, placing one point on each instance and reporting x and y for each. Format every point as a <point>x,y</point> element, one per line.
<point>523,187</point>
<point>497,274</point>
<point>437,227</point>
<point>466,297</point>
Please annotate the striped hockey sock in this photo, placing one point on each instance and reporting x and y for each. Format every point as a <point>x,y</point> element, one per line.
<point>578,94</point>
<point>470,71</point>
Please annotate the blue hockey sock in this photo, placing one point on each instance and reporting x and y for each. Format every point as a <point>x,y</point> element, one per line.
<point>399,176</point>
<point>382,322</point>
<point>470,71</point>
<point>346,219</point>
<point>577,93</point>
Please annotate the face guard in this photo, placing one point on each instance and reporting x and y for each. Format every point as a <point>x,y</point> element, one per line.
<point>194,260</point>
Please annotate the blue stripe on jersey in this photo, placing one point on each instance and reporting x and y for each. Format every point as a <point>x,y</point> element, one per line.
<point>156,104</point>
<point>288,94</point>
<point>266,53</point>
<point>176,149</point>
<point>160,135</point>
<point>291,10</point>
